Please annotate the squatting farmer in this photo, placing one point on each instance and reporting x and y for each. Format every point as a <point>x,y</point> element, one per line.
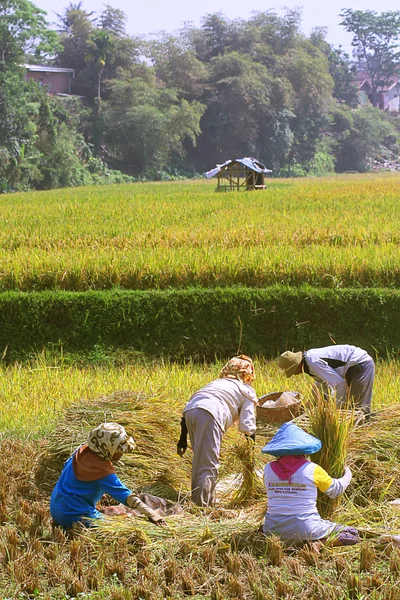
<point>89,473</point>
<point>209,413</point>
<point>337,370</point>
<point>292,482</point>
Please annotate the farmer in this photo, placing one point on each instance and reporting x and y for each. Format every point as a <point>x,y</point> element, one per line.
<point>292,483</point>
<point>89,473</point>
<point>209,414</point>
<point>336,369</point>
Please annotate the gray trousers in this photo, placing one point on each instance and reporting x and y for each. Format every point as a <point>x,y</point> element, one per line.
<point>205,437</point>
<point>360,380</point>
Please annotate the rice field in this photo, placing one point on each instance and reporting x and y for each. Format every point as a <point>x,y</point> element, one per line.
<point>341,231</point>
<point>213,554</point>
<point>33,394</point>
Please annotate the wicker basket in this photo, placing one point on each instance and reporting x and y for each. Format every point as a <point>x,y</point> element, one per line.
<point>279,414</point>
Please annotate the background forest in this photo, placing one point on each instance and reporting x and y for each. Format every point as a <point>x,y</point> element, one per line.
<point>176,105</point>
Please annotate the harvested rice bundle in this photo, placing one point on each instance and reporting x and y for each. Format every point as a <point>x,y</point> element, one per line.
<point>246,485</point>
<point>153,467</point>
<point>332,425</point>
<point>373,455</point>
<point>194,530</point>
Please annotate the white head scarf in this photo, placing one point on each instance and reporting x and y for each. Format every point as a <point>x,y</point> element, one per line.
<point>108,438</point>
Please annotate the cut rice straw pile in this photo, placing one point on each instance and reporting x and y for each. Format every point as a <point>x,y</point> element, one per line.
<point>193,530</point>
<point>153,422</point>
<point>374,458</point>
<point>154,466</point>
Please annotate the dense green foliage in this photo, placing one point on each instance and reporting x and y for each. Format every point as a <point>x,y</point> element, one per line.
<point>199,323</point>
<point>175,106</point>
<point>24,30</point>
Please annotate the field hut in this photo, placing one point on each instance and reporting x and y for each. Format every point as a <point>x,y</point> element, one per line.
<point>239,174</point>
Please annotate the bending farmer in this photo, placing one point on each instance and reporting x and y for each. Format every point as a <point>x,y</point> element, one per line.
<point>89,473</point>
<point>336,369</point>
<point>292,483</point>
<point>209,414</point>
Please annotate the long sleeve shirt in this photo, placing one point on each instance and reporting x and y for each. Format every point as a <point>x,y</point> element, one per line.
<point>292,505</point>
<point>75,500</point>
<point>329,365</point>
<point>229,401</point>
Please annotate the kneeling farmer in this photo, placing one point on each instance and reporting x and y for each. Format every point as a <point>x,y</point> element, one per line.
<point>89,473</point>
<point>292,483</point>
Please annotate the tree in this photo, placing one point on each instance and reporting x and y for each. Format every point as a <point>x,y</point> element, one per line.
<point>361,136</point>
<point>24,30</point>
<point>244,106</point>
<point>306,68</point>
<point>273,35</point>
<point>96,52</point>
<point>101,44</point>
<point>113,20</point>
<point>375,40</point>
<point>341,69</point>
<point>213,38</point>
<point>145,124</point>
<point>67,20</point>
<point>343,73</point>
<point>178,67</point>
<point>18,111</point>
<point>77,27</point>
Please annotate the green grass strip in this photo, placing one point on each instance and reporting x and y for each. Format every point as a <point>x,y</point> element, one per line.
<point>200,323</point>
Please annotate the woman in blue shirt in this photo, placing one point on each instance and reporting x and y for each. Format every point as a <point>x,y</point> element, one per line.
<point>89,473</point>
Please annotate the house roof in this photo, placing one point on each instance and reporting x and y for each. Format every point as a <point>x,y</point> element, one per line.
<point>363,80</point>
<point>47,69</point>
<point>248,162</point>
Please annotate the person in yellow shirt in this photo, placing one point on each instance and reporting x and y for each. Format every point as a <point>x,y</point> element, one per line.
<point>292,483</point>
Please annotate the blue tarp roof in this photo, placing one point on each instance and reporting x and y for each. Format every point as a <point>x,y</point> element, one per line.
<point>250,163</point>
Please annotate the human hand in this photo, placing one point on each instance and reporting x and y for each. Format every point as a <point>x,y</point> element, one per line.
<point>181,448</point>
<point>159,521</point>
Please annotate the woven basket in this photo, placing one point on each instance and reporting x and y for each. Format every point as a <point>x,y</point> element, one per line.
<point>279,414</point>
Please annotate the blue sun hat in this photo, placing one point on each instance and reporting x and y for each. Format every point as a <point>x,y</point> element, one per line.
<point>291,440</point>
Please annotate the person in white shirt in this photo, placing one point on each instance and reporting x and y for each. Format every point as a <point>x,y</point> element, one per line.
<point>292,483</point>
<point>337,370</point>
<point>209,414</point>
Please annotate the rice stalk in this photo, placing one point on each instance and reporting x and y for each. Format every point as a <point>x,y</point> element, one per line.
<point>374,452</point>
<point>332,425</point>
<point>242,460</point>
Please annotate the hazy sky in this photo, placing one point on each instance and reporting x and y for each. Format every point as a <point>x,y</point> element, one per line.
<point>170,15</point>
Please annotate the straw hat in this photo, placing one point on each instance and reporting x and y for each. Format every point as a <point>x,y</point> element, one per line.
<point>289,362</point>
